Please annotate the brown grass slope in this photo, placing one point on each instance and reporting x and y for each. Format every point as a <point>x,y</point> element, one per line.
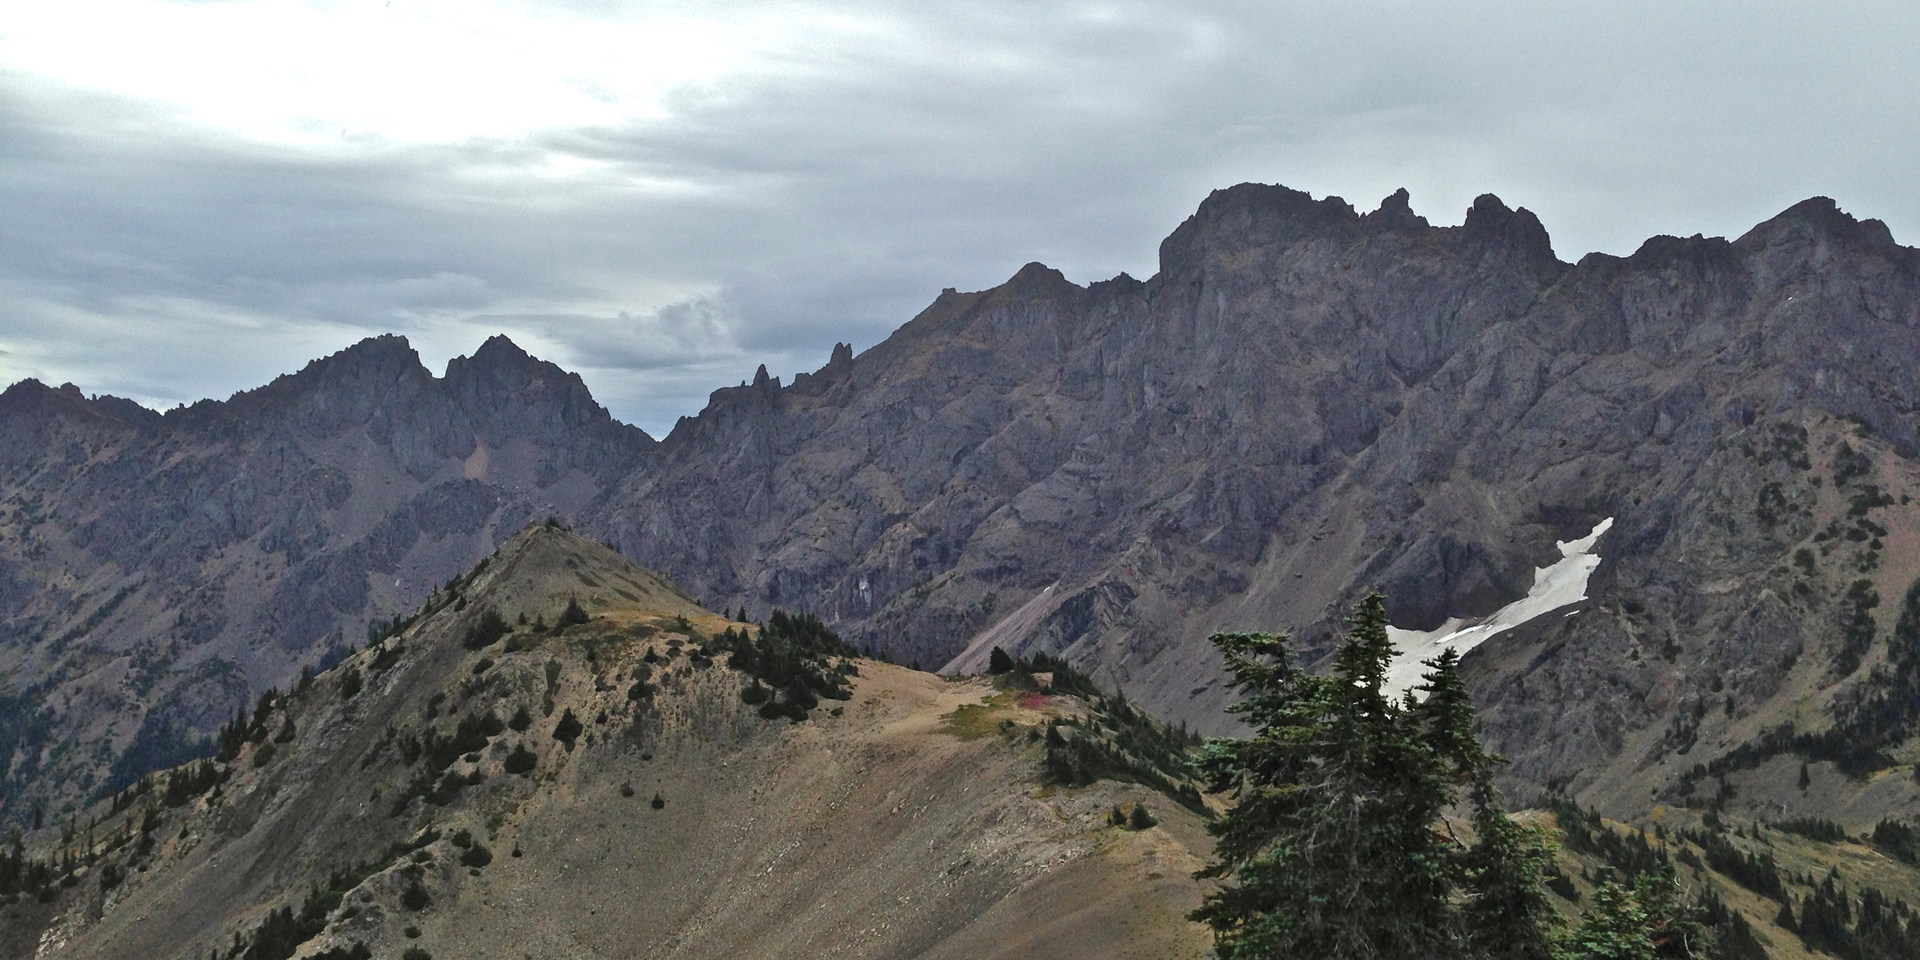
<point>876,828</point>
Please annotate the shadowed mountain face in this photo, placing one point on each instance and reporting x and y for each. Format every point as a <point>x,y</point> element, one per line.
<point>1304,402</point>
<point>156,571</point>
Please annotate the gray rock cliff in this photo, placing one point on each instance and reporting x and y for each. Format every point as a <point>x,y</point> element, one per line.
<point>1303,403</point>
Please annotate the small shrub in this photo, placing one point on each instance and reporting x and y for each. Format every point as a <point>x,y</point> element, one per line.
<point>659,802</point>
<point>476,856</point>
<point>486,631</point>
<point>415,897</point>
<point>521,760</point>
<point>1140,819</point>
<point>568,729</point>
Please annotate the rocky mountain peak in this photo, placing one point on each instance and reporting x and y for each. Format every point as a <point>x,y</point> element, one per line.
<point>26,395</point>
<point>499,352</point>
<point>1396,213</point>
<point>516,394</point>
<point>499,363</point>
<point>348,386</point>
<point>1817,219</point>
<point>30,414</point>
<point>1037,280</point>
<point>385,355</point>
<point>30,409</point>
<point>1492,222</point>
<point>1251,215</point>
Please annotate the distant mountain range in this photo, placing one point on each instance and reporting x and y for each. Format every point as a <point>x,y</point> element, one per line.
<point>1305,402</point>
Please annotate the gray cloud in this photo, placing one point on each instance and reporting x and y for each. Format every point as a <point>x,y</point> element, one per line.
<point>830,192</point>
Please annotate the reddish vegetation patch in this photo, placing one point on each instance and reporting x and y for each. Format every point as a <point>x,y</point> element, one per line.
<point>1035,701</point>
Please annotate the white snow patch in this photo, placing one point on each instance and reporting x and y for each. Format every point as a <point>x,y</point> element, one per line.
<point>1554,587</point>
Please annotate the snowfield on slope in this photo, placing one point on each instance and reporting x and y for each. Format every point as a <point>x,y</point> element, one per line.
<point>1560,585</point>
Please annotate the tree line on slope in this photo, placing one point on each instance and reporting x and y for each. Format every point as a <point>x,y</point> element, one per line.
<point>793,661</point>
<point>1114,740</point>
<point>1883,712</point>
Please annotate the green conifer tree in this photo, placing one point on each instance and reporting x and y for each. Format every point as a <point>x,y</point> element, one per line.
<point>1506,914</point>
<point>1140,818</point>
<point>568,729</point>
<point>998,662</point>
<point>1335,847</point>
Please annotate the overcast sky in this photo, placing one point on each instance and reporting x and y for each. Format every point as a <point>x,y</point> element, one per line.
<point>197,196</point>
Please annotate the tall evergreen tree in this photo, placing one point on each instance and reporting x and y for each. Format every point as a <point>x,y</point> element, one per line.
<point>1506,913</point>
<point>1649,921</point>
<point>1339,844</point>
<point>999,662</point>
<point>1336,846</point>
<point>1332,847</point>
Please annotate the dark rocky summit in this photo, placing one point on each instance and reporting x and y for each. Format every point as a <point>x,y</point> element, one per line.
<point>1304,402</point>
<point>155,571</point>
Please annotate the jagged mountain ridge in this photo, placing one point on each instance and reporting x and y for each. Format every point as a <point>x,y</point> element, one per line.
<point>158,570</point>
<point>1306,401</point>
<point>672,821</point>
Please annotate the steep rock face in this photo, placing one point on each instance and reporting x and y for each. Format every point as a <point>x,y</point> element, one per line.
<point>1136,445</point>
<point>156,570</point>
<point>1306,402</point>
<point>1041,435</point>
